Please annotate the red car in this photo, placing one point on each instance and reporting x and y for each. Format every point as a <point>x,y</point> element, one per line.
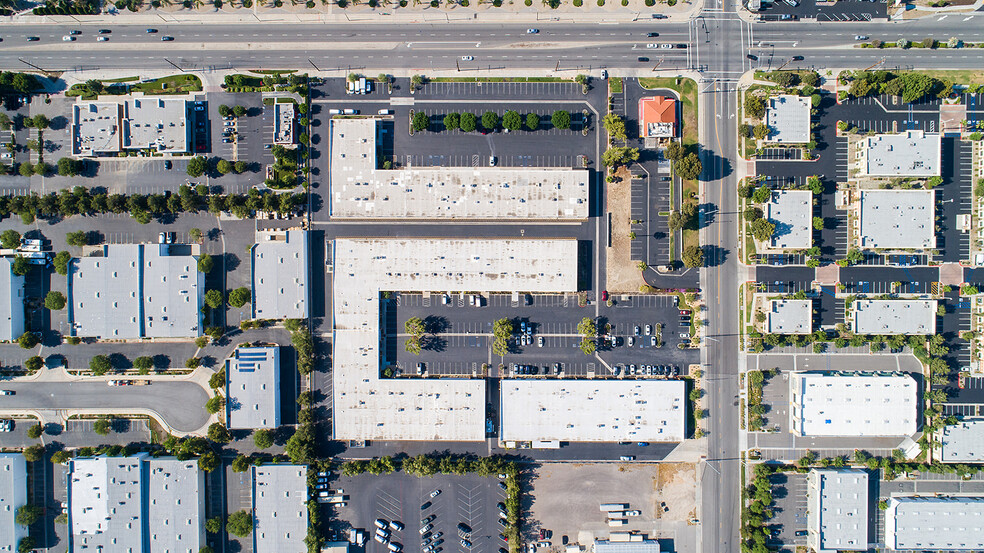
<point>604,297</point>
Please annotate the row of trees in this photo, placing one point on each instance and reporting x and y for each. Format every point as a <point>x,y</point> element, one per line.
<point>144,207</point>
<point>502,331</point>
<point>414,326</point>
<point>511,120</point>
<point>910,86</point>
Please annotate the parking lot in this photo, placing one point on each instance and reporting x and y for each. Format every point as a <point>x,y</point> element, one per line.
<point>458,339</point>
<point>844,10</point>
<point>789,511</point>
<point>468,499</point>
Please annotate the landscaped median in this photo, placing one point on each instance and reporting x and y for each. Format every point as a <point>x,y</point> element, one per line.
<point>174,84</point>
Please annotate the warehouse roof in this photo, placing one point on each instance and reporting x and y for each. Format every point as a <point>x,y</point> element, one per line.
<point>11,301</point>
<point>367,407</point>
<point>852,404</point>
<point>935,523</point>
<point>157,124</point>
<point>13,496</point>
<point>788,118</point>
<point>963,442</point>
<point>253,388</point>
<point>280,497</point>
<point>176,505</point>
<point>280,271</point>
<point>593,410</point>
<point>643,546</point>
<point>898,219</point>
<point>792,213</point>
<point>901,316</point>
<point>136,291</point>
<point>360,190</point>
<point>906,154</point>
<point>790,316</point>
<point>96,128</point>
<point>837,510</point>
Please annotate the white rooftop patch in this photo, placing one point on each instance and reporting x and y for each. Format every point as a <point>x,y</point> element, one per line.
<point>906,154</point>
<point>367,407</point>
<point>593,410</point>
<point>281,265</point>
<point>13,496</point>
<point>280,497</point>
<point>788,118</point>
<point>954,523</point>
<point>837,510</point>
<point>11,301</point>
<point>852,404</point>
<point>130,123</point>
<point>792,213</point>
<point>898,219</point>
<point>962,442</point>
<point>902,316</point>
<point>253,388</point>
<point>359,190</point>
<point>790,316</point>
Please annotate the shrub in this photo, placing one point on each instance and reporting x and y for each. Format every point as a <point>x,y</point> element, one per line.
<point>33,363</point>
<point>27,340</point>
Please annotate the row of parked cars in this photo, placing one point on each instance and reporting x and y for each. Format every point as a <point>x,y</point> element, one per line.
<point>667,371</point>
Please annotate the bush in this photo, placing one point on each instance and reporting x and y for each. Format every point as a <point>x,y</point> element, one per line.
<point>55,301</point>
<point>27,340</point>
<point>33,363</point>
<point>35,431</point>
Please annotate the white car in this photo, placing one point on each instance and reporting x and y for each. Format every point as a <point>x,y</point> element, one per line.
<point>102,38</point>
<point>652,45</point>
<point>532,31</point>
<point>435,493</point>
<point>6,392</point>
<point>861,37</point>
<point>68,38</point>
<point>633,513</point>
<point>466,58</point>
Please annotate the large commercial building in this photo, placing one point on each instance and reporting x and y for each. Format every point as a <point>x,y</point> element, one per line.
<point>902,316</point>
<point>132,123</point>
<point>136,504</point>
<point>360,190</point>
<point>930,523</point>
<point>136,291</point>
<point>632,546</point>
<point>11,302</point>
<point>906,154</point>
<point>280,269</point>
<point>593,410</point>
<point>897,219</point>
<point>962,442</point>
<point>792,213</point>
<point>837,510</point>
<point>789,316</point>
<point>788,119</point>
<point>368,407</point>
<point>253,388</point>
<point>853,404</point>
<point>280,512</point>
<point>13,496</point>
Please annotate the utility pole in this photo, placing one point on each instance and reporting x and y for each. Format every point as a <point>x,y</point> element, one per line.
<point>313,65</point>
<point>173,65</point>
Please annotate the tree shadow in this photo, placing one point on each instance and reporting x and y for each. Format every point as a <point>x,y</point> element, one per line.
<point>715,255</point>
<point>120,361</point>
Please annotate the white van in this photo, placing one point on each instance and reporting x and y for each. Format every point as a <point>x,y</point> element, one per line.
<point>334,112</point>
<point>384,112</point>
<point>350,111</point>
<point>394,547</point>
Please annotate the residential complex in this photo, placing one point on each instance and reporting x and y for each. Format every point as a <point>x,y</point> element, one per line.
<point>280,271</point>
<point>253,388</point>
<point>837,510</point>
<point>360,190</point>
<point>935,523</point>
<point>897,219</point>
<point>11,302</point>
<point>792,213</point>
<point>13,495</point>
<point>852,404</point>
<point>108,127</point>
<point>131,291</point>
<point>788,119</point>
<point>136,504</point>
<point>280,495</point>
<point>901,316</point>
<point>906,154</point>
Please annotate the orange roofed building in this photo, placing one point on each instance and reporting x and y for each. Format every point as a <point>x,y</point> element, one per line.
<point>657,117</point>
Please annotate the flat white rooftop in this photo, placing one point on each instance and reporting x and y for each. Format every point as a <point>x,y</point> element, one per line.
<point>837,510</point>
<point>792,213</point>
<point>898,219</point>
<point>593,410</point>
<point>280,271</point>
<point>906,154</point>
<point>935,523</point>
<point>852,404</point>
<point>902,316</point>
<point>963,442</point>
<point>367,407</point>
<point>790,316</point>
<point>13,496</point>
<point>280,497</point>
<point>788,118</point>
<point>253,388</point>
<point>359,190</point>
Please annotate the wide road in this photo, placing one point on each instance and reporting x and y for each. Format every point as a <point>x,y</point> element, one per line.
<point>179,404</point>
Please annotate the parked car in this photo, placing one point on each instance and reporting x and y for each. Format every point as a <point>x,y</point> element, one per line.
<point>167,38</point>
<point>435,493</point>
<point>627,458</point>
<point>652,35</point>
<point>532,31</point>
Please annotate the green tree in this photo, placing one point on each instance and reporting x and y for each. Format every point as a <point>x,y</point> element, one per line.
<point>33,453</point>
<point>209,461</point>
<point>490,120</point>
<point>619,155</point>
<point>761,131</point>
<point>215,404</point>
<point>240,524</point>
<point>21,267</point>
<point>224,110</point>
<point>561,119</point>
<point>502,330</point>
<point>78,238</point>
<point>301,446</point>
<point>263,438</point>
<point>689,168</point>
<point>102,426</point>
<point>143,362</point>
<point>763,229</point>
<point>239,111</point>
<point>468,122</point>
<point>532,121</point>
<point>40,122</point>
<point>674,151</point>
<point>197,166</point>
<point>420,121</point>
<point>452,121</point>
<point>224,166</point>
<point>213,525</point>
<point>26,169</point>
<point>205,263</point>
<point>60,457</point>
<point>68,167</point>
<point>10,239</point>
<point>615,126</point>
<point>241,463</point>
<point>100,365</point>
<point>61,262</point>
<point>28,514</point>
<point>35,431</point>
<point>33,363</point>
<point>754,106</point>
<point>55,301</point>
<point>693,256</point>
<point>213,299</point>
<point>933,182</point>
<point>512,120</point>
<point>818,223</point>
<point>217,433</point>
<point>27,340</point>
<point>239,297</point>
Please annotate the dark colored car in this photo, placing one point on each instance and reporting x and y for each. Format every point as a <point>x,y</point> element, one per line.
<point>33,38</point>
<point>105,31</point>
<point>167,38</point>
<point>643,59</point>
<point>797,58</point>
<point>752,57</point>
<point>652,35</point>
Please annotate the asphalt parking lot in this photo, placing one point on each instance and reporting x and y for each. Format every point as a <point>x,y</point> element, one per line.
<point>468,499</point>
<point>789,511</point>
<point>844,10</point>
<point>459,334</point>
